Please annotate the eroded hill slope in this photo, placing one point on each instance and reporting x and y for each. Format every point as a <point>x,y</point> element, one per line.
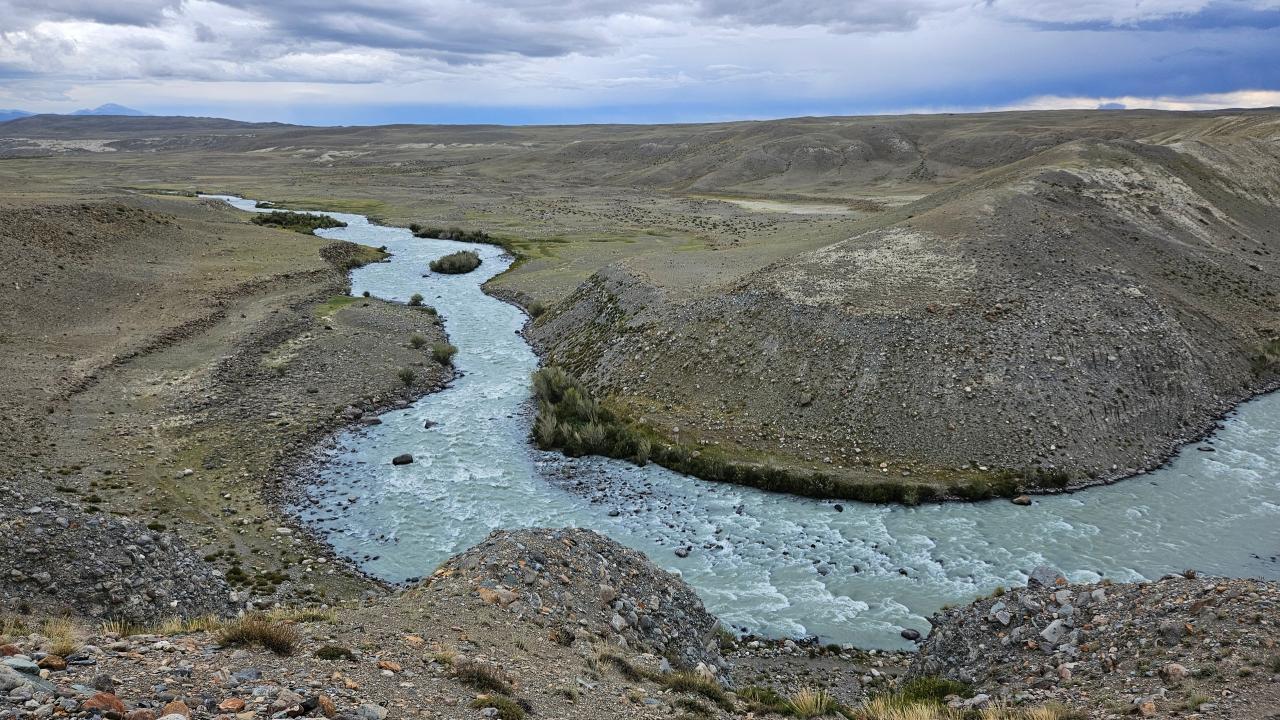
<point>1084,310</point>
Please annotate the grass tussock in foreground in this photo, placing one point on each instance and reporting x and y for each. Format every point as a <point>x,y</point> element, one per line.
<point>260,630</point>
<point>461,262</point>
<point>570,419</point>
<point>306,223</point>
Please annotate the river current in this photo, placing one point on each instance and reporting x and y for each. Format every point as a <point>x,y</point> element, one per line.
<point>768,563</point>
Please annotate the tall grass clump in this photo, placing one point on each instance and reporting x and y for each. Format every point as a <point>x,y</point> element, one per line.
<point>463,261</point>
<point>278,637</point>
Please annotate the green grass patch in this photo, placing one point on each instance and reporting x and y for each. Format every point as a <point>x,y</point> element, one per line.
<point>333,305</point>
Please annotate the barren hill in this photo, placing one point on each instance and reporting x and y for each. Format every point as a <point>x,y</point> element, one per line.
<point>1084,309</point>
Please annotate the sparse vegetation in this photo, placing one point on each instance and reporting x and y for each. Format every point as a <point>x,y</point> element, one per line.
<point>457,263</point>
<point>536,309</point>
<point>407,376</point>
<point>485,678</point>
<point>335,652</point>
<point>63,634</point>
<point>696,684</point>
<point>931,689</point>
<point>306,223</point>
<point>417,341</point>
<point>811,703</point>
<point>571,420</point>
<point>278,637</point>
<point>443,352</point>
<point>451,233</point>
<point>507,708</point>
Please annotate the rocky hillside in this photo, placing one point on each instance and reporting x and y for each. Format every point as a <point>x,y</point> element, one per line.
<point>1184,645</point>
<point>568,624</point>
<point>1066,319</point>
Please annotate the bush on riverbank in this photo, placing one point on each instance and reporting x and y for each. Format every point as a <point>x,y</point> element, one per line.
<point>456,263</point>
<point>452,233</point>
<point>443,353</point>
<point>306,223</point>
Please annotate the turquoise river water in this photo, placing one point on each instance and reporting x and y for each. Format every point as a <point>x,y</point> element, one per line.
<point>768,563</point>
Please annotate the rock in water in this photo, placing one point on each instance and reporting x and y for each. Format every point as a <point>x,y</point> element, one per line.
<point>404,459</point>
<point>1045,576</point>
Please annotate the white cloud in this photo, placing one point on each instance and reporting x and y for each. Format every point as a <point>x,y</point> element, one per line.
<point>850,55</point>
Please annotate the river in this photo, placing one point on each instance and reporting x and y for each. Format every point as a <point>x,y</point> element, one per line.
<point>769,563</point>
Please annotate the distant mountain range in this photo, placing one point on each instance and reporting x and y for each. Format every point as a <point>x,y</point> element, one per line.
<point>108,109</point>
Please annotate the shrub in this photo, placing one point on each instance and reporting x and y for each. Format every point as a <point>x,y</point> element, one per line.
<point>335,652</point>
<point>507,708</point>
<point>415,300</point>
<point>457,263</point>
<point>279,638</point>
<point>764,700</point>
<point>452,233</point>
<point>537,309</point>
<point>481,677</point>
<point>417,341</point>
<point>443,352</point>
<point>365,293</point>
<point>932,689</point>
<point>306,223</point>
<point>407,376</point>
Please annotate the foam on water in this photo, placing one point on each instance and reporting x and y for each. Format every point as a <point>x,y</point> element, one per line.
<point>771,563</point>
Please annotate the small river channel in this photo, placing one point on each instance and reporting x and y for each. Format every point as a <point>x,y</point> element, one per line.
<point>772,564</point>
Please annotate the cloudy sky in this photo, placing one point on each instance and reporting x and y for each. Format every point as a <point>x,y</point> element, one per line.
<point>520,61</point>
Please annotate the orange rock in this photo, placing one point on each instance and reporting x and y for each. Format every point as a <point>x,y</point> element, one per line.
<point>327,708</point>
<point>52,662</point>
<point>107,704</point>
<point>389,665</point>
<point>1147,709</point>
<point>231,705</point>
<point>141,714</point>
<point>9,650</point>
<point>350,684</point>
<point>414,640</point>
<point>177,707</point>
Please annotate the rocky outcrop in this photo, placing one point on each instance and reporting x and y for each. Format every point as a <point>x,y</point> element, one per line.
<point>1183,642</point>
<point>583,586</point>
<point>56,559</point>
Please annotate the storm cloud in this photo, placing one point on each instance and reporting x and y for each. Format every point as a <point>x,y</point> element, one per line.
<point>743,57</point>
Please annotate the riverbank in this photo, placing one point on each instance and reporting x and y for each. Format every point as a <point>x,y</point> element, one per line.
<point>168,359</point>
